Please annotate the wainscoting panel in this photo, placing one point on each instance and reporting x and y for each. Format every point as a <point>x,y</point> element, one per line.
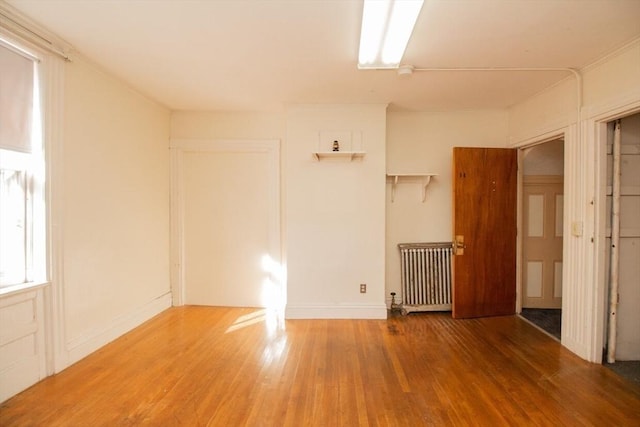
<point>22,351</point>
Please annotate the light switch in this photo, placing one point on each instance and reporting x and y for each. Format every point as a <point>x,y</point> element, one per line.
<point>576,228</point>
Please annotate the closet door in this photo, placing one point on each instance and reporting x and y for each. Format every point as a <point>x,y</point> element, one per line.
<point>229,227</point>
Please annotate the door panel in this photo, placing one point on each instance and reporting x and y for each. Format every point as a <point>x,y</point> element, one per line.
<point>225,223</point>
<point>226,227</point>
<point>542,242</point>
<point>485,185</point>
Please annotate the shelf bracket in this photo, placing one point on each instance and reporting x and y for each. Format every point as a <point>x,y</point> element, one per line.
<point>393,188</point>
<point>426,180</point>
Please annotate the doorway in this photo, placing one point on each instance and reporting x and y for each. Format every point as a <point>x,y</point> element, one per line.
<point>542,235</point>
<point>226,223</point>
<point>624,350</point>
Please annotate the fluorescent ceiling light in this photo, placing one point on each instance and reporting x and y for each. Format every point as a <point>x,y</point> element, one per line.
<point>386,28</point>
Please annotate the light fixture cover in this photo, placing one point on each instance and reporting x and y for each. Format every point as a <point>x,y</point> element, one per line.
<point>386,28</point>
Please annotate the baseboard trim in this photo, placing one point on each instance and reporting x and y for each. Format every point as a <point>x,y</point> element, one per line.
<point>373,311</point>
<point>576,347</point>
<point>18,377</point>
<point>83,346</point>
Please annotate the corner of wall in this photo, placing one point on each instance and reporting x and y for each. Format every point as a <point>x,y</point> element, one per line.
<point>84,345</point>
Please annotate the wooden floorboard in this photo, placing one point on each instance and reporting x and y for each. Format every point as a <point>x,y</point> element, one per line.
<point>215,366</point>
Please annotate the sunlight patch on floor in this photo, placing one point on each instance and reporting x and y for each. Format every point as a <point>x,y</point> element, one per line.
<point>273,320</point>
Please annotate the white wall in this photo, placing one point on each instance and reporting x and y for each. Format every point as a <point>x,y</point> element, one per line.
<point>109,231</point>
<point>216,125</point>
<point>611,89</point>
<point>225,217</point>
<point>547,112</point>
<point>333,210</point>
<point>607,85</point>
<point>423,143</point>
<point>115,204</point>
<point>210,129</point>
<point>335,213</point>
<point>544,159</point>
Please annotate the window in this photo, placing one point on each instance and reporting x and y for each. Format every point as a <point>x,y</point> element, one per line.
<point>22,214</point>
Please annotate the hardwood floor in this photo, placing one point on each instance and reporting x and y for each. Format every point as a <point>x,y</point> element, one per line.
<point>199,366</point>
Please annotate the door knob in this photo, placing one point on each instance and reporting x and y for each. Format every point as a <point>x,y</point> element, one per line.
<point>458,245</point>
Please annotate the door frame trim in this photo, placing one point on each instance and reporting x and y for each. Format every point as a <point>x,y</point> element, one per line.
<point>583,276</point>
<point>598,140</point>
<point>177,149</point>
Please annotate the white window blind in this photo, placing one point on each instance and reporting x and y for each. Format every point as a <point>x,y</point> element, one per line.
<point>16,100</point>
<point>21,177</point>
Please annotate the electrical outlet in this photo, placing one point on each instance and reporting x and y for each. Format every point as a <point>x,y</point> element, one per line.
<point>363,288</point>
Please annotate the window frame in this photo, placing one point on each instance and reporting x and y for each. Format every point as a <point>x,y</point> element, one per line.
<point>32,164</point>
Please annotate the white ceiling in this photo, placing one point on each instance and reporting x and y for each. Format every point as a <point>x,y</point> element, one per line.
<point>261,55</point>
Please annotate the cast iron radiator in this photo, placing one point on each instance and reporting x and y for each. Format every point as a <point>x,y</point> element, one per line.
<point>425,272</point>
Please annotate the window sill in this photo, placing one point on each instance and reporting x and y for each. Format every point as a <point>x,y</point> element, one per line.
<point>22,287</point>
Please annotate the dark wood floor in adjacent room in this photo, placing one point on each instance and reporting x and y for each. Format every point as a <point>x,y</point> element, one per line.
<point>197,366</point>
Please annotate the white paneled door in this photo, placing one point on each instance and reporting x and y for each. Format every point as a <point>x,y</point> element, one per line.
<point>542,242</point>
<point>228,232</point>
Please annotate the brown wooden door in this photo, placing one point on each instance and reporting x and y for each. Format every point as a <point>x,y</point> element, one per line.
<point>485,186</point>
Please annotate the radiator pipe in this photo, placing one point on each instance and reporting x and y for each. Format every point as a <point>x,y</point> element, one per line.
<point>615,251</point>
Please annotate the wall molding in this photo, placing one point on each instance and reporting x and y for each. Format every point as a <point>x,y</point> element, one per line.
<point>540,135</point>
<point>19,377</point>
<point>86,344</point>
<point>577,347</point>
<point>355,311</point>
<point>616,107</point>
<point>57,357</point>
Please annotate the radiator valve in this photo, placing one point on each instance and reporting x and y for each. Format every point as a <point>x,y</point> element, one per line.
<point>395,306</point>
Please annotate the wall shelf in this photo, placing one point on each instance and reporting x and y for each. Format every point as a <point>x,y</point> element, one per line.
<point>319,155</point>
<point>397,177</point>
